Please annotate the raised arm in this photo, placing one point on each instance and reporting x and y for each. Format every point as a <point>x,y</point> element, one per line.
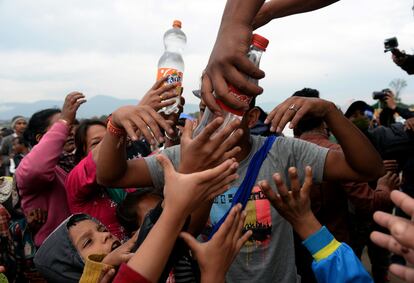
<point>359,161</point>
<point>183,193</point>
<point>281,8</point>
<point>39,165</point>
<point>333,261</point>
<point>228,62</point>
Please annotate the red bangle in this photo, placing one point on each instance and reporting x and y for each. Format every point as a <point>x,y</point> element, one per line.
<point>118,132</point>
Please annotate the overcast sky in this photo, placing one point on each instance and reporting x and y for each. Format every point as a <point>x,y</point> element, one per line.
<point>49,48</point>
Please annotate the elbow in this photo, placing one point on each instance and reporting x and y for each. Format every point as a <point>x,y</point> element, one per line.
<point>101,180</point>
<point>105,180</point>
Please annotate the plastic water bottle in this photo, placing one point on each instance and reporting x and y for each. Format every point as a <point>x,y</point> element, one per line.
<point>258,46</point>
<point>171,63</point>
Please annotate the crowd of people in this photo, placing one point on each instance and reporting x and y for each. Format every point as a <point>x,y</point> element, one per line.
<point>138,197</point>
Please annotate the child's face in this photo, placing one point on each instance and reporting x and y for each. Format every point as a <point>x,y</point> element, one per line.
<point>17,147</point>
<point>89,238</point>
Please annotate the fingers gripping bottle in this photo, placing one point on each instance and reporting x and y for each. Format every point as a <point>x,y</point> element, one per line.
<point>258,46</point>
<point>171,63</point>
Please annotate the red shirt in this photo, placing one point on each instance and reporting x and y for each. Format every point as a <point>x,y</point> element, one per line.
<point>126,275</point>
<point>85,195</point>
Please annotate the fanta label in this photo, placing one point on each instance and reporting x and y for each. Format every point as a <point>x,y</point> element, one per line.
<point>174,76</point>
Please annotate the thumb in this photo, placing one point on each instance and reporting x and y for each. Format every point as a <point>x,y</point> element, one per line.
<point>190,241</point>
<point>166,164</point>
<point>107,276</point>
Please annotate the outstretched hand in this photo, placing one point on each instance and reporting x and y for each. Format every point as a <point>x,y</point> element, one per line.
<point>401,239</point>
<point>141,120</point>
<point>294,205</point>
<point>71,105</point>
<point>215,256</point>
<point>186,192</point>
<point>209,148</point>
<point>159,95</point>
<point>121,254</point>
<point>295,109</point>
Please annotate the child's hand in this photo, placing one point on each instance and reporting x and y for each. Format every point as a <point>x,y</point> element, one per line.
<point>216,255</point>
<point>107,275</point>
<point>185,192</point>
<point>207,150</point>
<point>121,254</point>
<point>36,218</point>
<point>293,205</point>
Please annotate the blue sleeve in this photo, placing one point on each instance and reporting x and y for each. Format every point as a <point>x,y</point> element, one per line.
<point>334,261</point>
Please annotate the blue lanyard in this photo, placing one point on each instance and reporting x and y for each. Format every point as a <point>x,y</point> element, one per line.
<point>243,193</point>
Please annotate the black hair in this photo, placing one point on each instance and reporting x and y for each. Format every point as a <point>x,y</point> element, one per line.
<point>126,210</point>
<point>22,140</point>
<point>310,123</point>
<point>38,124</point>
<point>76,218</point>
<point>80,137</point>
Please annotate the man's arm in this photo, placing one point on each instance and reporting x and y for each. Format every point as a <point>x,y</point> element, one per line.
<point>405,62</point>
<point>359,161</point>
<point>282,8</point>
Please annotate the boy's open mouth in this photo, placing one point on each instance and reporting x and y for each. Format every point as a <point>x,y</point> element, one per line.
<point>115,245</point>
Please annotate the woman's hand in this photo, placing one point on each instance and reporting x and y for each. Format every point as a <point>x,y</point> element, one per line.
<point>71,105</point>
<point>141,120</point>
<point>159,95</point>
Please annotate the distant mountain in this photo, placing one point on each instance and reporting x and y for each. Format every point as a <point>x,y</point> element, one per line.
<point>96,106</point>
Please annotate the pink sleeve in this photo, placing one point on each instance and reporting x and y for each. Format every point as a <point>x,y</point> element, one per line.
<point>38,167</point>
<point>126,274</point>
<point>81,181</point>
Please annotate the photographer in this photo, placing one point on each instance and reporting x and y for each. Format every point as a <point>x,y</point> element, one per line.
<point>387,99</point>
<point>405,61</point>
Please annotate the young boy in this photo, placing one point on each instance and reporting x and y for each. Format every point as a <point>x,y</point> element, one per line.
<point>81,239</point>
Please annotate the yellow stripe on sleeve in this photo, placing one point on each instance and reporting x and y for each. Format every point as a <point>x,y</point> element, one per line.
<point>327,250</point>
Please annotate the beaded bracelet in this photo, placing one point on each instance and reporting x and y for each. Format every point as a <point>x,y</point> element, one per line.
<point>118,132</point>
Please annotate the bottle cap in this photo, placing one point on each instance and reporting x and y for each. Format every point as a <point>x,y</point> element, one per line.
<point>177,24</point>
<point>260,41</point>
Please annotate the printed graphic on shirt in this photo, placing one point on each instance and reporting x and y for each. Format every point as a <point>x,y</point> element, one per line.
<point>258,219</point>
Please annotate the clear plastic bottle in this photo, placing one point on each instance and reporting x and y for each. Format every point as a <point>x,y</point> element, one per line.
<point>258,46</point>
<point>171,63</point>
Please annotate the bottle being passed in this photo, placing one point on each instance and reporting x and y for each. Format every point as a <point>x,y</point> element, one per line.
<point>258,46</point>
<point>171,63</point>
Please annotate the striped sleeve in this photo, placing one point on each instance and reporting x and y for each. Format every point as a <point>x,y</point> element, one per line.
<point>334,261</point>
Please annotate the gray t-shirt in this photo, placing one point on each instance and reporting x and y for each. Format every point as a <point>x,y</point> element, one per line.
<point>268,256</point>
